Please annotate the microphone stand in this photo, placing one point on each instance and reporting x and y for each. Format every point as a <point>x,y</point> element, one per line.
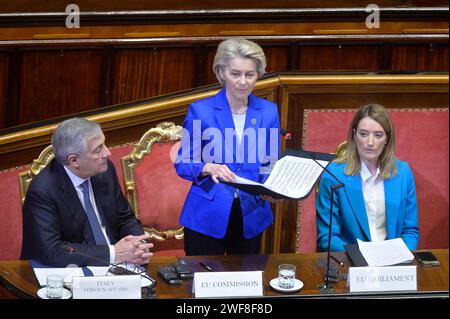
<point>114,269</point>
<point>326,287</point>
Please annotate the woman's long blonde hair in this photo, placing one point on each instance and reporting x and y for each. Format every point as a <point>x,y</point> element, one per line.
<point>387,158</point>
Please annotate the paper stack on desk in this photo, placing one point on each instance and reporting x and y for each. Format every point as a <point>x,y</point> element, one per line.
<point>385,253</point>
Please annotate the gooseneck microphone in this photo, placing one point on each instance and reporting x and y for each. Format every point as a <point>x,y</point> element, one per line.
<point>71,250</point>
<point>326,287</point>
<point>115,269</point>
<point>287,135</point>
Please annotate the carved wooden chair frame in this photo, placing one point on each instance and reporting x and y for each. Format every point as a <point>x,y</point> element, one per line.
<point>37,166</point>
<point>340,151</point>
<point>165,132</point>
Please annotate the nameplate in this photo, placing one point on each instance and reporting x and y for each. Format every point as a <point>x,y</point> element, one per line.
<point>228,284</point>
<point>391,278</point>
<point>107,287</point>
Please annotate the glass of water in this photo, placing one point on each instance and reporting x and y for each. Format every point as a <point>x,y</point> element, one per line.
<point>286,276</point>
<point>55,286</point>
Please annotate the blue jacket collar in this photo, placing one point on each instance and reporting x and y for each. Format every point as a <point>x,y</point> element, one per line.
<point>221,101</point>
<point>353,191</point>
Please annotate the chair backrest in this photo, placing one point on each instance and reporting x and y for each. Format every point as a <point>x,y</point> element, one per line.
<point>36,167</point>
<point>11,213</point>
<point>422,141</point>
<point>153,188</point>
<point>341,149</point>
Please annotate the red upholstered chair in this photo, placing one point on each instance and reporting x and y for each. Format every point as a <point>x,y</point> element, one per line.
<point>422,141</point>
<point>154,189</point>
<point>10,213</point>
<point>14,183</point>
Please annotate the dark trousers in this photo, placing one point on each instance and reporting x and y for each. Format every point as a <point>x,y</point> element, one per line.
<point>233,243</point>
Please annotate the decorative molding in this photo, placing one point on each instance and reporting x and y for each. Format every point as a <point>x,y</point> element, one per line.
<point>155,40</point>
<point>286,79</point>
<point>36,167</point>
<point>231,14</point>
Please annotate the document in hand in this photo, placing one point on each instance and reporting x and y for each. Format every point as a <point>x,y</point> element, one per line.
<point>293,176</point>
<point>386,252</point>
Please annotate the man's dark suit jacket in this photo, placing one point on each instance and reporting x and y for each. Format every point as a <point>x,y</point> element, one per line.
<point>53,217</point>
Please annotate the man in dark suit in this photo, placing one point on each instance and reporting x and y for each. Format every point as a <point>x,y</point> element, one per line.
<point>76,207</point>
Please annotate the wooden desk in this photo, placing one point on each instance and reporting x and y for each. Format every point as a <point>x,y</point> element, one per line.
<point>18,280</point>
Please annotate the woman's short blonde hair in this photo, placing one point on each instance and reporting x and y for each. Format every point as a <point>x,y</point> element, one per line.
<point>387,158</point>
<point>238,48</point>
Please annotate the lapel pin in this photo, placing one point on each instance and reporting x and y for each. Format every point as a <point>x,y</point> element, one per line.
<point>253,121</point>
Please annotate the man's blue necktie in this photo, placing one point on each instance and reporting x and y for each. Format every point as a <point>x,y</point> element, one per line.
<point>92,217</point>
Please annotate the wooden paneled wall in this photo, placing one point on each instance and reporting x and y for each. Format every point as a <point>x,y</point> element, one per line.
<point>45,83</point>
<point>154,48</point>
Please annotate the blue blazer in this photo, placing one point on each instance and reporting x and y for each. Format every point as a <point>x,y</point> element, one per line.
<point>208,205</point>
<point>349,211</point>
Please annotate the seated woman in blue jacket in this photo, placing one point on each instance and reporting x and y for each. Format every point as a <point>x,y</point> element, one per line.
<point>231,133</point>
<point>378,201</point>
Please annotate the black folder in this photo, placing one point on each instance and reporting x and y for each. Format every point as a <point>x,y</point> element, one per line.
<point>259,190</point>
<point>318,156</point>
<point>355,255</point>
<point>262,190</point>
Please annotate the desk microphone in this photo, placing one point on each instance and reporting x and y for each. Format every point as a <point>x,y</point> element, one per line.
<point>326,287</point>
<point>115,269</point>
<point>71,250</point>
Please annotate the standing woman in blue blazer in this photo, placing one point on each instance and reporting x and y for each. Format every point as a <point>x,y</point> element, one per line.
<point>378,201</point>
<point>229,134</point>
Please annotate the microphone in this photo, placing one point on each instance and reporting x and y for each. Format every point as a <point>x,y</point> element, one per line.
<point>115,269</point>
<point>71,250</point>
<point>326,287</point>
<point>287,135</point>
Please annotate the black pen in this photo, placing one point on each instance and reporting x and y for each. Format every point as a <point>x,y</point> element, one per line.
<point>337,260</point>
<point>205,266</point>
